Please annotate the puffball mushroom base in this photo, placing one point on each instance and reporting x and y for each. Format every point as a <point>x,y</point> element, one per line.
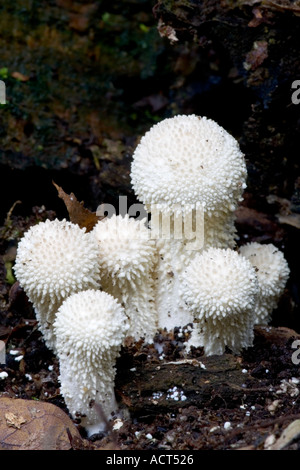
<point>55,259</point>
<point>90,327</point>
<point>220,288</point>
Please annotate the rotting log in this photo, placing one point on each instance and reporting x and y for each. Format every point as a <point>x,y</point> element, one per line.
<point>209,382</point>
<point>151,387</point>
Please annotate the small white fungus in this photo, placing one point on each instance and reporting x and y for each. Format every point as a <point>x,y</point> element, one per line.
<point>220,288</point>
<point>90,327</point>
<point>272,271</point>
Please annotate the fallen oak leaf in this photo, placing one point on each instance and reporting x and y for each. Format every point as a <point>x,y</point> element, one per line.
<point>14,421</point>
<point>78,214</point>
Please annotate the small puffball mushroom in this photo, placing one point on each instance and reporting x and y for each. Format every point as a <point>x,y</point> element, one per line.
<point>90,327</point>
<point>127,257</point>
<point>272,271</point>
<point>55,259</point>
<point>187,167</point>
<point>220,289</point>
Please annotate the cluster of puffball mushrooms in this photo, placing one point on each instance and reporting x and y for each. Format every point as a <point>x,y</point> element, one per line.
<point>91,290</point>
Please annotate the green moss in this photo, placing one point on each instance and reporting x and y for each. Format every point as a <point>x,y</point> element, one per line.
<point>73,82</point>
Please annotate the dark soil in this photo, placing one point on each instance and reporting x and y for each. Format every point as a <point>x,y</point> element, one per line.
<point>225,402</point>
<point>84,82</point>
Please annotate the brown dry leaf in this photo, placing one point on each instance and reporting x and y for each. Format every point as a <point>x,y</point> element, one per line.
<point>80,20</point>
<point>14,421</point>
<point>283,5</point>
<point>290,434</point>
<point>77,212</point>
<point>20,76</point>
<point>292,219</point>
<point>34,425</point>
<point>257,55</point>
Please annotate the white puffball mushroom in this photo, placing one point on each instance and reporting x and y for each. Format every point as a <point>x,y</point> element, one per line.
<point>90,327</point>
<point>220,289</point>
<point>55,259</point>
<point>187,161</point>
<point>187,166</point>
<point>127,258</point>
<point>272,271</point>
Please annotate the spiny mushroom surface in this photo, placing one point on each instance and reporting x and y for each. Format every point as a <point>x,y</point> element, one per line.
<point>187,165</point>
<point>127,258</point>
<point>220,288</point>
<point>90,327</point>
<point>272,271</point>
<point>55,259</point>
<point>190,161</point>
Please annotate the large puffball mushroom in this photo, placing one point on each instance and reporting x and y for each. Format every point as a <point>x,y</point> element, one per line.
<point>90,327</point>
<point>127,258</point>
<point>187,166</point>
<point>188,160</point>
<point>55,259</point>
<point>272,271</point>
<point>220,288</point>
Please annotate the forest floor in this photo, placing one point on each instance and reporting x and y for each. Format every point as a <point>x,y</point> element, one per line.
<point>84,82</point>
<point>170,400</point>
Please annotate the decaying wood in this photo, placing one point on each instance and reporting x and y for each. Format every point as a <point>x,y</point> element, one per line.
<point>155,387</point>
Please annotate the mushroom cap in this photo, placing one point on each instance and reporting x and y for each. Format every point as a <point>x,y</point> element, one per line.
<point>90,323</point>
<point>127,256</point>
<point>54,259</point>
<point>220,288</point>
<point>125,249</point>
<point>188,161</point>
<point>219,284</point>
<point>272,271</point>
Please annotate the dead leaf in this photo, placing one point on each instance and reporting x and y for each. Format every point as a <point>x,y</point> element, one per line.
<point>289,435</point>
<point>34,425</point>
<point>293,219</point>
<point>14,421</point>
<point>284,5</point>
<point>80,20</point>
<point>20,76</point>
<point>257,55</point>
<point>167,31</point>
<point>77,212</point>
<point>286,214</point>
<point>259,17</point>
